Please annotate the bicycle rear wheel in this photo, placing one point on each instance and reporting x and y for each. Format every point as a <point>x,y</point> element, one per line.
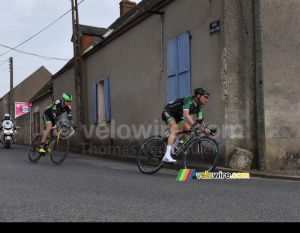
<point>33,149</point>
<point>59,150</point>
<point>201,153</point>
<point>150,155</point>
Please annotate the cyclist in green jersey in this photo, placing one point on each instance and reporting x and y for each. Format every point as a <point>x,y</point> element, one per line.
<point>178,113</point>
<point>51,113</point>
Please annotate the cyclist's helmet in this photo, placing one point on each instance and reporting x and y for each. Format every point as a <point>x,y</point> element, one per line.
<point>66,97</point>
<point>6,116</point>
<point>201,91</point>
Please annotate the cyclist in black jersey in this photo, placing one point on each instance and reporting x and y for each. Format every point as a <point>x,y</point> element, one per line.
<point>178,113</point>
<point>51,113</point>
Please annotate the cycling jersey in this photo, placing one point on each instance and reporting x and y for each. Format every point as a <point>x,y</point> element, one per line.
<point>54,110</point>
<point>174,110</point>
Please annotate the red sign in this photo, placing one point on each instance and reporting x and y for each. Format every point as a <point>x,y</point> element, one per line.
<point>21,108</point>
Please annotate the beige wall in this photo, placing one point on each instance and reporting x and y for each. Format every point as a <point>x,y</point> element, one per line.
<point>224,63</point>
<point>133,63</point>
<point>281,80</point>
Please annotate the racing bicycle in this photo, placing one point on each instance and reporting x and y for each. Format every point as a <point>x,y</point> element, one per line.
<point>57,146</point>
<point>199,150</point>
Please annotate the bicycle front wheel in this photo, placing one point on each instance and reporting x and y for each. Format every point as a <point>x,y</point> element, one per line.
<point>59,150</point>
<point>201,153</point>
<point>33,149</point>
<point>150,155</point>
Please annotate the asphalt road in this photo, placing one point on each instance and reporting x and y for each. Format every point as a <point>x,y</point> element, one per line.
<point>91,189</point>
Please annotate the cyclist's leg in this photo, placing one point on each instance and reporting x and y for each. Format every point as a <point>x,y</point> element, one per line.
<point>184,125</point>
<point>48,127</point>
<point>168,117</point>
<point>172,124</point>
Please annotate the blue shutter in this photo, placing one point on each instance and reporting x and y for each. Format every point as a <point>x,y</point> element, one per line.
<point>95,103</point>
<point>172,84</point>
<point>178,67</point>
<point>183,71</point>
<point>107,99</point>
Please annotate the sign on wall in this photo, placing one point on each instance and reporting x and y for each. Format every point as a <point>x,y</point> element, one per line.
<point>214,27</point>
<point>21,108</point>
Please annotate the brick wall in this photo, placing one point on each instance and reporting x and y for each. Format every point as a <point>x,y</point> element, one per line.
<point>86,41</point>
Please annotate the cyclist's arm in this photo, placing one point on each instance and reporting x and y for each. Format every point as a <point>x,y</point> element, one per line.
<point>70,118</point>
<point>53,109</point>
<point>187,117</point>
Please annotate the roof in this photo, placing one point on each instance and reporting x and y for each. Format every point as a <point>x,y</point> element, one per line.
<point>48,88</point>
<point>134,13</point>
<point>90,30</point>
<point>129,18</point>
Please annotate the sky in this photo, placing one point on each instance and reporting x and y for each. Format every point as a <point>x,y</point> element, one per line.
<point>22,19</point>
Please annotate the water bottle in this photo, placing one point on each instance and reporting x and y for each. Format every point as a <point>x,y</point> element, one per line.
<point>182,141</point>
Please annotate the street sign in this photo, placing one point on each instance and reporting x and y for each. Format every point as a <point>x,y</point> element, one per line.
<point>214,27</point>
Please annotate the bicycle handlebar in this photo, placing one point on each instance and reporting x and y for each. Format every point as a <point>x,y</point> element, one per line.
<point>66,126</point>
<point>56,126</point>
<point>196,129</point>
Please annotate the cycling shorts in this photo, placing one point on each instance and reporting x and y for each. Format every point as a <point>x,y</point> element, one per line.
<point>48,119</point>
<point>168,116</point>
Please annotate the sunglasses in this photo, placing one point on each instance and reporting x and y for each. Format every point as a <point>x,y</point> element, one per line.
<point>206,97</point>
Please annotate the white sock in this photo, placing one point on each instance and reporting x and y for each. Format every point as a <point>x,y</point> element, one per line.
<point>168,151</point>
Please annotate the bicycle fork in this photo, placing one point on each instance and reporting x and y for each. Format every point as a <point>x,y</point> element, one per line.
<point>199,150</point>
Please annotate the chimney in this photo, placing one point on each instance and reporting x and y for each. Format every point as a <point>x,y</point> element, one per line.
<point>125,6</point>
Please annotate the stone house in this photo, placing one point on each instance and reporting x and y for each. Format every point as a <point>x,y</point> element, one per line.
<point>244,52</point>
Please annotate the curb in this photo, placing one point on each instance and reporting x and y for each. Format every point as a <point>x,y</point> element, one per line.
<point>178,166</point>
<point>262,174</point>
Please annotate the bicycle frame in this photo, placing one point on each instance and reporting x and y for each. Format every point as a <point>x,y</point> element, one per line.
<point>195,133</point>
<point>57,136</point>
<point>150,156</point>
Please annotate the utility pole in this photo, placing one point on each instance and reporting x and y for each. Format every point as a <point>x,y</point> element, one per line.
<point>77,64</point>
<point>78,75</point>
<point>11,95</point>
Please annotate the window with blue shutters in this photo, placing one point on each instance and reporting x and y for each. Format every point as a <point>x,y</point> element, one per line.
<point>101,101</point>
<point>178,67</point>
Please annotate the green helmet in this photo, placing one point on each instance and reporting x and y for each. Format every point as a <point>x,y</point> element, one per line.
<point>201,91</point>
<point>66,97</point>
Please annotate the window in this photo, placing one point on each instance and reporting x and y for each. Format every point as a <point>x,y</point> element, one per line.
<point>36,122</point>
<point>178,67</point>
<point>101,101</point>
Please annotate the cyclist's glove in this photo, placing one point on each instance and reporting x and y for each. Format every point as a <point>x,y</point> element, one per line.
<point>200,121</point>
<point>75,128</point>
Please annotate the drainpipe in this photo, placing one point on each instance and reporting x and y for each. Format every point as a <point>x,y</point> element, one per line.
<point>259,89</point>
<point>162,42</point>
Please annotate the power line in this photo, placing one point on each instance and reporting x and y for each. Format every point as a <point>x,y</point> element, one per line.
<point>38,32</point>
<point>32,54</point>
<point>3,62</point>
